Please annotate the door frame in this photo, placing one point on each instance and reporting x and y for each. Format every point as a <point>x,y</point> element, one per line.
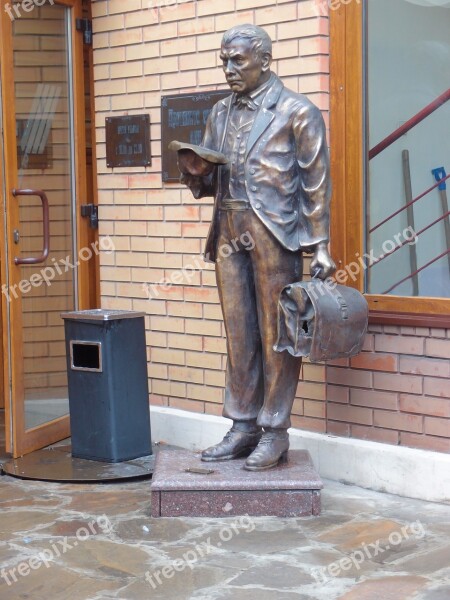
<point>19,441</point>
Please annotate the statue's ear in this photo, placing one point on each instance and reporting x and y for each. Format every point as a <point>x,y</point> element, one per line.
<point>266,61</point>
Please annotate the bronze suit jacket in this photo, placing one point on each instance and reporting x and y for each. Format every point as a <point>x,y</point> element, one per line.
<point>286,169</point>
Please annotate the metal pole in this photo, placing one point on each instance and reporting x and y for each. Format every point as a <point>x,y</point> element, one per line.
<point>410,219</point>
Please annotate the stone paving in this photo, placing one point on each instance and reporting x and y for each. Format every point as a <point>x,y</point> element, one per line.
<point>95,542</point>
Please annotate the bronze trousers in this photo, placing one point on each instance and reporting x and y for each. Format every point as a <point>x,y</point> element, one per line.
<point>260,383</point>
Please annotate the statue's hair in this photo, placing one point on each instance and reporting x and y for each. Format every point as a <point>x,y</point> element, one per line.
<point>259,38</point>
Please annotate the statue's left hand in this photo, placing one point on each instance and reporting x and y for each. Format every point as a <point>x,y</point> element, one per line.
<point>322,265</point>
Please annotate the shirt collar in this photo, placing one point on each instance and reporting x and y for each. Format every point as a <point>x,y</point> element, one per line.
<point>257,96</point>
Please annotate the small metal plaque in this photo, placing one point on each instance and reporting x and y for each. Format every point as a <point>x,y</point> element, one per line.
<point>198,471</point>
<point>128,141</point>
<point>183,118</point>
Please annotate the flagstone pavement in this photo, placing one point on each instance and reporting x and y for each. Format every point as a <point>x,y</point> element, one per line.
<point>95,542</point>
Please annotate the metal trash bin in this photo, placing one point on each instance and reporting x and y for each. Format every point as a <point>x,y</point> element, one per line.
<point>108,384</point>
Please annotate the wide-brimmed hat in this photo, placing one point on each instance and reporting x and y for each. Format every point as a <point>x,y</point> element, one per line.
<point>196,160</point>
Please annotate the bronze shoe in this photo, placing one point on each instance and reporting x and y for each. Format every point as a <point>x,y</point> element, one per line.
<point>271,450</point>
<point>234,445</point>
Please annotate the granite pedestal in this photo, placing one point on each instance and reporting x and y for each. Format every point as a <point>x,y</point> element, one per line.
<point>184,486</point>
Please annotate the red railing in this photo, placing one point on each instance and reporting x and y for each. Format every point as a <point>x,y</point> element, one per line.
<point>397,212</point>
<point>421,115</point>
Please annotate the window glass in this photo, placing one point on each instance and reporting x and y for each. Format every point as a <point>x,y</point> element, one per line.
<point>408,65</point>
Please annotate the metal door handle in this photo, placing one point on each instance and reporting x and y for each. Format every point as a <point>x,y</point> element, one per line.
<point>46,221</point>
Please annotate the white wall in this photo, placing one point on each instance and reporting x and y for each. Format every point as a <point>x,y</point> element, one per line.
<point>408,67</point>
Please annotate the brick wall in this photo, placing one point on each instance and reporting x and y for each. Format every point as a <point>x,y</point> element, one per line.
<point>397,391</point>
<point>141,53</point>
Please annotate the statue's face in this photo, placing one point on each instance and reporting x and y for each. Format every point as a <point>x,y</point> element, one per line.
<point>245,70</point>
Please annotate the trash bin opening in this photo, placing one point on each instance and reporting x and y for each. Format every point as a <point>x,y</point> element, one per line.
<point>86,356</point>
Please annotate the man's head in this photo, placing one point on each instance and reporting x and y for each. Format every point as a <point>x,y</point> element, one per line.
<point>246,55</point>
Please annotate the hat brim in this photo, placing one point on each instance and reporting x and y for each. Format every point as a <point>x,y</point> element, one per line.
<point>196,160</point>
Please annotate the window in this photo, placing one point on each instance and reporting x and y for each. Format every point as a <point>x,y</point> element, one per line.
<point>390,66</point>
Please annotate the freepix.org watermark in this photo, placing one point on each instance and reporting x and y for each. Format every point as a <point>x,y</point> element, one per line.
<point>369,552</point>
<point>185,275</point>
<point>17,9</point>
<point>58,267</point>
<point>323,7</point>
<point>351,271</point>
<point>56,550</point>
<point>190,558</point>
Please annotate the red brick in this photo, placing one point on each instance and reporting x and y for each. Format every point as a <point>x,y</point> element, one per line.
<point>425,442</point>
<point>213,409</point>
<point>399,421</point>
<point>184,309</point>
<point>167,324</point>
<point>167,388</point>
<point>339,429</point>
<point>205,393</point>
<point>314,391</point>
<point>421,405</point>
<point>439,427</point>
<point>369,343</point>
<point>375,434</point>
<point>184,404</point>
<point>308,424</point>
<point>425,366</point>
<point>185,342</point>
<point>399,344</point>
<point>375,362</point>
<point>174,357</point>
<point>337,393</point>
<point>350,414</point>
<point>437,387</point>
<point>339,362</point>
<point>195,230</point>
<point>438,333</point>
<point>187,374</point>
<point>313,372</point>
<point>393,329</point>
<point>373,399</point>
<point>398,383</point>
<point>297,407</point>
<point>182,213</point>
<point>350,377</point>
<point>203,359</point>
<point>214,344</point>
<point>156,400</point>
<point>315,409</point>
<point>195,294</point>
<point>203,327</point>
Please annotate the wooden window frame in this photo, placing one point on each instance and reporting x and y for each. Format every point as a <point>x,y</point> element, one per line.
<point>348,155</point>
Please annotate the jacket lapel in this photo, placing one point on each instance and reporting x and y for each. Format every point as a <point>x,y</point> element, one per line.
<point>222,121</point>
<point>265,115</point>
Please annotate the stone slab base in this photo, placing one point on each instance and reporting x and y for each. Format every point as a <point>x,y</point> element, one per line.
<point>184,486</point>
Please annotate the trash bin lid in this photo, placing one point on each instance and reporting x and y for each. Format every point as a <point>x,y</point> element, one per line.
<point>100,314</point>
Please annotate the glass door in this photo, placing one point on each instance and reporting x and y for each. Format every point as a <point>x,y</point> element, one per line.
<point>43,104</point>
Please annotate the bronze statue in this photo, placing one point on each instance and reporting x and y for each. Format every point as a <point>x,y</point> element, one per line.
<point>276,188</point>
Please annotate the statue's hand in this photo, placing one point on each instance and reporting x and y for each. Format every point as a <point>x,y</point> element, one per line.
<point>193,182</point>
<point>322,265</point>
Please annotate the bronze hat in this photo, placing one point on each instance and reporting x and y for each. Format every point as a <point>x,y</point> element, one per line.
<point>196,160</point>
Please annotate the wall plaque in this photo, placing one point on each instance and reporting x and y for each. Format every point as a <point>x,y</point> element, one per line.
<point>183,118</point>
<point>128,141</point>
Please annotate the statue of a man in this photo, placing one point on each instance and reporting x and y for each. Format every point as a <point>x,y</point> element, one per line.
<point>275,188</point>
